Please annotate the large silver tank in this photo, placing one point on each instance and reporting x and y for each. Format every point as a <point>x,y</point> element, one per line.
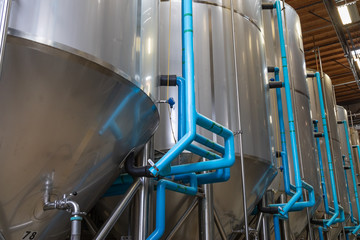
<point>354,135</point>
<point>301,106</point>
<point>219,97</point>
<point>69,66</point>
<point>330,105</point>
<point>341,115</point>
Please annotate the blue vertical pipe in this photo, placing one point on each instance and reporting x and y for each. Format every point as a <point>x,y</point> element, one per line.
<point>163,166</point>
<point>346,129</point>
<point>160,200</point>
<point>348,191</point>
<point>321,233</point>
<point>298,183</point>
<point>180,82</point>
<point>328,152</point>
<point>284,154</point>
<point>277,227</point>
<point>322,175</point>
<point>347,236</point>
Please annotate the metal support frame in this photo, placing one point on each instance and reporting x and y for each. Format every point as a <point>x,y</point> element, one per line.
<point>335,20</point>
<point>206,213</point>
<point>219,225</point>
<point>119,209</point>
<point>183,218</point>
<point>143,199</point>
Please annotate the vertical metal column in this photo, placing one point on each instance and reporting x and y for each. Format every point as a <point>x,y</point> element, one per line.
<point>4,20</point>
<point>143,199</point>
<point>243,185</point>
<point>207,213</point>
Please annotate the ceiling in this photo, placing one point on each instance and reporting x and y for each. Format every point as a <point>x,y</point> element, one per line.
<point>326,35</point>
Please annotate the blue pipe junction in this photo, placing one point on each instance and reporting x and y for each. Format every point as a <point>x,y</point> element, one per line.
<point>192,118</point>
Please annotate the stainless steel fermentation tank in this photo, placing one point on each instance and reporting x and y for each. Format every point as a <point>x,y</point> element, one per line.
<point>354,135</point>
<point>341,115</point>
<point>301,106</point>
<point>330,105</point>
<point>70,67</point>
<point>220,97</point>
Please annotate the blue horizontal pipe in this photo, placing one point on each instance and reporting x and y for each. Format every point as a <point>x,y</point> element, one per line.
<point>210,144</point>
<point>182,128</point>
<point>220,175</point>
<point>298,206</point>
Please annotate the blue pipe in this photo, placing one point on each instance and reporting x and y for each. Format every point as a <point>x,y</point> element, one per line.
<point>323,183</point>
<point>284,154</point>
<point>321,233</point>
<point>298,183</point>
<point>220,175</point>
<point>192,118</point>
<point>352,172</point>
<point>348,192</point>
<point>182,127</point>
<point>298,206</point>
<point>347,236</point>
<point>337,212</point>
<point>160,200</point>
<point>276,227</point>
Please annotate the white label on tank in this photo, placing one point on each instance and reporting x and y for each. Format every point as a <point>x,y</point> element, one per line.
<point>29,235</point>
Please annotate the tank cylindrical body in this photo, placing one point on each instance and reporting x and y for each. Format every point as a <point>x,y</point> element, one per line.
<point>341,115</point>
<point>354,136</point>
<point>330,105</point>
<point>78,77</point>
<point>355,142</point>
<point>300,103</point>
<point>219,96</point>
